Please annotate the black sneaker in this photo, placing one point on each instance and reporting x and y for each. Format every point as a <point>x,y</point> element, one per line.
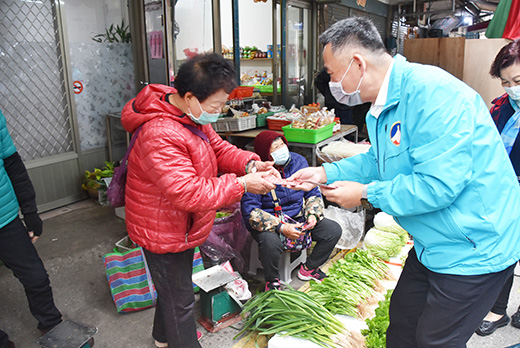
<point>274,285</point>
<point>308,274</point>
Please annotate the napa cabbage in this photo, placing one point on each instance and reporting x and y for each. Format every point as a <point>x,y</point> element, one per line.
<point>382,244</point>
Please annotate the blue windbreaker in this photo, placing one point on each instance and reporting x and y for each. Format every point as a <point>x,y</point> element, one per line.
<point>8,201</point>
<point>438,165</point>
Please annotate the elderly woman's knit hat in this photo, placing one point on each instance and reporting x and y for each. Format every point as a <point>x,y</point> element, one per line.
<point>263,143</point>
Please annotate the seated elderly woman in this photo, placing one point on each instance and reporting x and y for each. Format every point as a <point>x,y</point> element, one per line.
<point>285,215</point>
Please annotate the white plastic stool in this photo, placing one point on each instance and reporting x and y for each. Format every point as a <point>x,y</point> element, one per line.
<point>286,266</point>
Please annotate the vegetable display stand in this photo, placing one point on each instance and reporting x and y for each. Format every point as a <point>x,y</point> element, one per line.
<point>308,136</point>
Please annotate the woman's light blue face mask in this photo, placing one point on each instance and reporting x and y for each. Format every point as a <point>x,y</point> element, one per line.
<point>205,117</point>
<point>514,93</point>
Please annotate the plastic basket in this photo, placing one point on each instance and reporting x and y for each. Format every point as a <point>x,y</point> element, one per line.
<point>230,124</point>
<point>261,119</point>
<point>308,136</point>
<point>276,123</point>
<point>241,92</point>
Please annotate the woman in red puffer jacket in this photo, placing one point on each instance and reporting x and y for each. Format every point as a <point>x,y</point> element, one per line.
<point>173,189</point>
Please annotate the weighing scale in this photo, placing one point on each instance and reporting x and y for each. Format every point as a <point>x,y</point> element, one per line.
<point>69,334</point>
<point>219,309</point>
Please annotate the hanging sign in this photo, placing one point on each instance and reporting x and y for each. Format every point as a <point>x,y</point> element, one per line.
<point>77,86</point>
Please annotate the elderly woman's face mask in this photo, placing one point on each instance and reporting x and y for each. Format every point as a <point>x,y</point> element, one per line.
<point>205,117</point>
<point>279,152</point>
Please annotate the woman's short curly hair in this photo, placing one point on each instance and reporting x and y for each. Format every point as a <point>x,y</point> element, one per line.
<point>507,56</point>
<point>204,75</point>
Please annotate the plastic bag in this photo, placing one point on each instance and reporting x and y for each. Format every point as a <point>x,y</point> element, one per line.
<point>352,225</point>
<point>340,149</point>
<point>239,288</point>
<point>228,239</point>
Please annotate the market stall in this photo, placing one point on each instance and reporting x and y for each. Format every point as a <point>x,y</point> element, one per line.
<point>347,309</point>
<point>309,127</point>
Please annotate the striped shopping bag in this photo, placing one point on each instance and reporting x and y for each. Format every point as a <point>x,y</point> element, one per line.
<point>197,266</point>
<point>130,280</point>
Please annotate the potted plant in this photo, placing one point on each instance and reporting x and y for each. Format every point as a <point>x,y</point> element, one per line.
<point>97,181</point>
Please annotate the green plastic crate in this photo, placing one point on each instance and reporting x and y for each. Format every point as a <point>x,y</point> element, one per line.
<point>267,88</point>
<point>261,119</point>
<point>308,136</point>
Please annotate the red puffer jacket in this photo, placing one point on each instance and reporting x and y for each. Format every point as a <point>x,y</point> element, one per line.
<point>172,189</point>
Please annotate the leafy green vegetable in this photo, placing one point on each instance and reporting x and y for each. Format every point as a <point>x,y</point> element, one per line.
<point>350,282</point>
<point>376,333</point>
<point>382,244</point>
<point>386,223</point>
<point>221,214</point>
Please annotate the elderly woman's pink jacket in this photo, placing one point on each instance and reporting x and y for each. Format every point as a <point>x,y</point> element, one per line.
<point>172,189</point>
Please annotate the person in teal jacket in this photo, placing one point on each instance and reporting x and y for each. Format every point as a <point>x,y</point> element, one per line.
<point>438,165</point>
<point>17,251</point>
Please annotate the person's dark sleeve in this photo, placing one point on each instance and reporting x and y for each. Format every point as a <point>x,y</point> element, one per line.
<point>24,191</point>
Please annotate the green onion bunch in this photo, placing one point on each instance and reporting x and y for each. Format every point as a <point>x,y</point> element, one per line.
<point>290,313</point>
<point>350,281</point>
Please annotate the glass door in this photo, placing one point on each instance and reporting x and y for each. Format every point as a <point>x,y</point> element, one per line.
<point>155,41</point>
<point>193,28</point>
<point>297,56</point>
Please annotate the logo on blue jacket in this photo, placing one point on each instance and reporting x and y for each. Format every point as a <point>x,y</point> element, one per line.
<point>395,133</point>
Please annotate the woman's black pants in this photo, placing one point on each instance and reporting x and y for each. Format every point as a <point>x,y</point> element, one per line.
<point>174,321</point>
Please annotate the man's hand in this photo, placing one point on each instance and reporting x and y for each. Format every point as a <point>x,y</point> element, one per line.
<point>347,194</point>
<point>292,231</point>
<point>314,174</point>
<point>34,225</point>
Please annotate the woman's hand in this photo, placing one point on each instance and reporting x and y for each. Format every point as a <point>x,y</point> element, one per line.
<point>263,166</point>
<point>291,231</point>
<point>297,181</point>
<point>257,184</point>
<point>347,194</point>
<point>311,222</point>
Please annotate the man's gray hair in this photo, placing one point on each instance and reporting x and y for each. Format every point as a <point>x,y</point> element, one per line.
<point>353,32</point>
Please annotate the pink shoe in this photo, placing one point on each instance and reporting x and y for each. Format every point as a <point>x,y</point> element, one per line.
<point>199,335</point>
<point>308,274</point>
<point>274,285</point>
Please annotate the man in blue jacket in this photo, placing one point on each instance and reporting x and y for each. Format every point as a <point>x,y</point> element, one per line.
<point>437,164</point>
<point>17,251</point>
